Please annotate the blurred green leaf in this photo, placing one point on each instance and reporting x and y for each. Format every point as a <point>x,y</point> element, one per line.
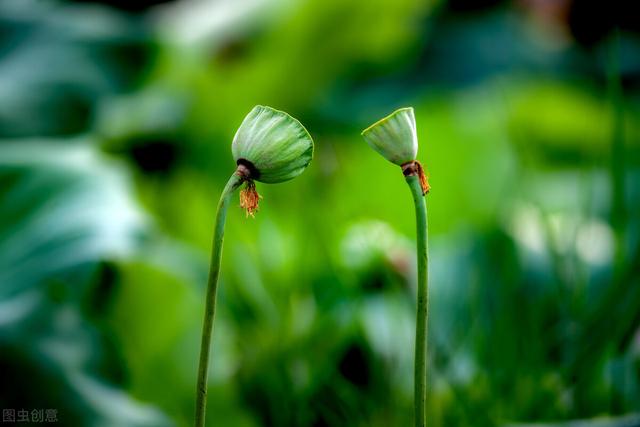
<point>64,210</point>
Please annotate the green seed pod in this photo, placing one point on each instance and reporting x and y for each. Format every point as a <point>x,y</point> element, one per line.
<point>394,136</point>
<point>274,146</point>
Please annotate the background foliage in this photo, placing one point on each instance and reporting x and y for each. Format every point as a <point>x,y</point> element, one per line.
<point>115,127</point>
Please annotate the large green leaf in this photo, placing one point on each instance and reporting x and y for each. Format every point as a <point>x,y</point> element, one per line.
<point>64,210</point>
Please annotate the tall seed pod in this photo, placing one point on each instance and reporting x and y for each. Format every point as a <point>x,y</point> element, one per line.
<point>270,146</point>
<point>395,138</point>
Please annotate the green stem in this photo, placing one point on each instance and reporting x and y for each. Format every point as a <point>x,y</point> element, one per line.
<point>212,289</point>
<point>420,370</point>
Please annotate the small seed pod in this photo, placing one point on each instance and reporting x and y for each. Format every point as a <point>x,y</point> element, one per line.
<point>270,146</point>
<point>394,136</point>
<point>274,146</point>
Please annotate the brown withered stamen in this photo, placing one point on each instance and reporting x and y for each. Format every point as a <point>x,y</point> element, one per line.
<point>249,198</point>
<point>414,168</point>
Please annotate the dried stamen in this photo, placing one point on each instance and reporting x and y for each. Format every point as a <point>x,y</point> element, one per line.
<point>414,168</point>
<point>249,198</point>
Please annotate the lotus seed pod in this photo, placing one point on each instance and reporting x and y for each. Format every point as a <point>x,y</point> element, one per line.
<point>394,136</point>
<point>273,145</point>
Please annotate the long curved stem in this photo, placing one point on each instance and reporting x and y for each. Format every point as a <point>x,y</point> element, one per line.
<point>212,289</point>
<point>420,370</point>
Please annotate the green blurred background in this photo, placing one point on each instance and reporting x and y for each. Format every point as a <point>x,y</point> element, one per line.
<point>116,120</point>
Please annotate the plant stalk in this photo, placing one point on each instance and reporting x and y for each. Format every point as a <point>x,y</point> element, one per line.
<point>422,314</point>
<point>212,289</point>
